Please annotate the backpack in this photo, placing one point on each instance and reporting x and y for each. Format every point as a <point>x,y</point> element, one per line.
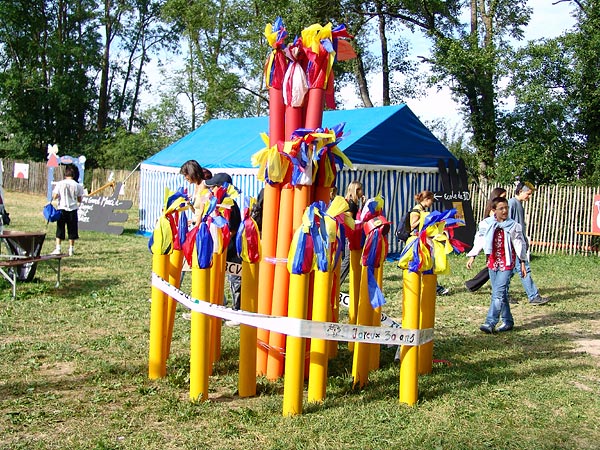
<point>51,214</point>
<point>403,232</point>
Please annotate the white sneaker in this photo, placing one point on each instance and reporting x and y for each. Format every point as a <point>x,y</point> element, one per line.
<point>71,251</point>
<point>232,323</point>
<point>56,251</point>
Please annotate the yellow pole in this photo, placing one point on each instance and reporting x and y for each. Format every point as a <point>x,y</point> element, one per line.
<point>247,375</point>
<point>175,265</point>
<point>409,355</point>
<point>295,347</point>
<point>335,308</point>
<point>157,361</point>
<point>427,320</point>
<point>361,360</point>
<point>317,375</point>
<point>217,293</point>
<point>199,337</point>
<point>354,275</point>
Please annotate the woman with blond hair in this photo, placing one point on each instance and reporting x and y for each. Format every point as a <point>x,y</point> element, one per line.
<point>356,199</point>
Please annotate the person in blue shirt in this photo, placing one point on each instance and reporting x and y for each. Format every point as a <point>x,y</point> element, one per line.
<point>523,192</point>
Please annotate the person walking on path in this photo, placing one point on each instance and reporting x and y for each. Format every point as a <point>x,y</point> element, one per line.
<point>69,193</point>
<point>501,238</point>
<point>475,283</point>
<point>523,192</point>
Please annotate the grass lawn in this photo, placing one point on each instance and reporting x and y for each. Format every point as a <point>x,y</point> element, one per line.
<point>73,370</point>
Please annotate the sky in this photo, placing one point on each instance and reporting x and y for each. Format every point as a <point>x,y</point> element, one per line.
<point>548,20</point>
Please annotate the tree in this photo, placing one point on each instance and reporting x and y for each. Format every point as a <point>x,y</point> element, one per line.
<point>551,135</point>
<point>49,50</point>
<point>468,57</point>
<point>585,41</point>
<point>540,141</point>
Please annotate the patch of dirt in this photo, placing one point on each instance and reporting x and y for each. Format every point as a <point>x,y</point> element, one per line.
<point>589,346</point>
<point>58,369</point>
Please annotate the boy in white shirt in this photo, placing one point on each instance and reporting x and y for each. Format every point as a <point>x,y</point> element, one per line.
<point>68,192</point>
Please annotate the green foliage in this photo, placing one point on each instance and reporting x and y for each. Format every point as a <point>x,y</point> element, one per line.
<point>551,135</point>
<point>49,56</point>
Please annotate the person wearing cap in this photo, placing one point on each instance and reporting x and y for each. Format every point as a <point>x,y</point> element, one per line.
<point>516,212</point>
<point>234,218</point>
<point>195,174</point>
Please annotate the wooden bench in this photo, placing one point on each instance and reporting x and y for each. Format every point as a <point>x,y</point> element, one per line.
<point>590,234</point>
<point>17,261</point>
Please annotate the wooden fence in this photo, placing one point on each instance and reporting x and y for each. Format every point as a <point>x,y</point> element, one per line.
<point>554,214</point>
<point>94,179</point>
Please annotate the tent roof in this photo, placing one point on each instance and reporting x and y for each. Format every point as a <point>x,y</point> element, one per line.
<point>388,135</point>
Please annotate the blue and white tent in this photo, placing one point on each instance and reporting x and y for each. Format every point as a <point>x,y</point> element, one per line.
<point>392,153</point>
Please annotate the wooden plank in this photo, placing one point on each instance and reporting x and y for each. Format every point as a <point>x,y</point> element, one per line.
<point>22,261</point>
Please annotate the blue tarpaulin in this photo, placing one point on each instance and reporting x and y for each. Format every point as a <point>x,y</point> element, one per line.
<point>383,136</point>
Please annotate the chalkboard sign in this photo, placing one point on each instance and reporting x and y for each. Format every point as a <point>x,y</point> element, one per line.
<point>97,212</point>
<point>455,194</point>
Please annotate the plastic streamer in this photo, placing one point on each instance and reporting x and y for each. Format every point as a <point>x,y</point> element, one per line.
<point>204,247</point>
<point>428,249</point>
<point>272,166</point>
<point>166,235</point>
<point>318,46</point>
<point>247,241</point>
<point>374,252</point>
<point>276,64</point>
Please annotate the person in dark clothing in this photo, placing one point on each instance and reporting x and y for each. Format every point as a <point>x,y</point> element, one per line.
<point>475,283</point>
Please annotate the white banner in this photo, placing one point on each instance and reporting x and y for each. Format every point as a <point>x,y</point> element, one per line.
<point>230,267</point>
<point>299,327</point>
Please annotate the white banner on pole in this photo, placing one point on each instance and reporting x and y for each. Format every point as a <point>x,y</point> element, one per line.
<point>299,327</point>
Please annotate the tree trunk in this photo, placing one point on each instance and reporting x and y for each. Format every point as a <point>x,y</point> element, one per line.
<point>385,64</point>
<point>103,93</point>
<point>361,79</point>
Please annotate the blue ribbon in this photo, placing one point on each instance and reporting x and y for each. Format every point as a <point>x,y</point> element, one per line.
<point>204,246</point>
<point>182,228</point>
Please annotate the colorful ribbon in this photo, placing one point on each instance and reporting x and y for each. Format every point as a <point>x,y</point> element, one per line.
<point>428,250</point>
<point>247,240</point>
<point>374,253</point>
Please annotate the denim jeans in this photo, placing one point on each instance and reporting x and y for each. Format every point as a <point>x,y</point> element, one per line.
<point>235,284</point>
<point>499,307</point>
<point>530,288</point>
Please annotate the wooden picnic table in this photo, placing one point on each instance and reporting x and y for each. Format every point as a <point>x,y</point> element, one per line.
<point>21,254</point>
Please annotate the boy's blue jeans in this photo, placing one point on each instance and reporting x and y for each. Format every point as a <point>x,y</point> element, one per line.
<point>499,307</point>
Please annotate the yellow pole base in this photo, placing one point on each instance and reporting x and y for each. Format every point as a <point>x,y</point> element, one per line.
<point>295,348</point>
<point>200,338</point>
<point>157,367</point>
<point>409,355</point>
<point>427,320</point>
<point>247,370</point>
